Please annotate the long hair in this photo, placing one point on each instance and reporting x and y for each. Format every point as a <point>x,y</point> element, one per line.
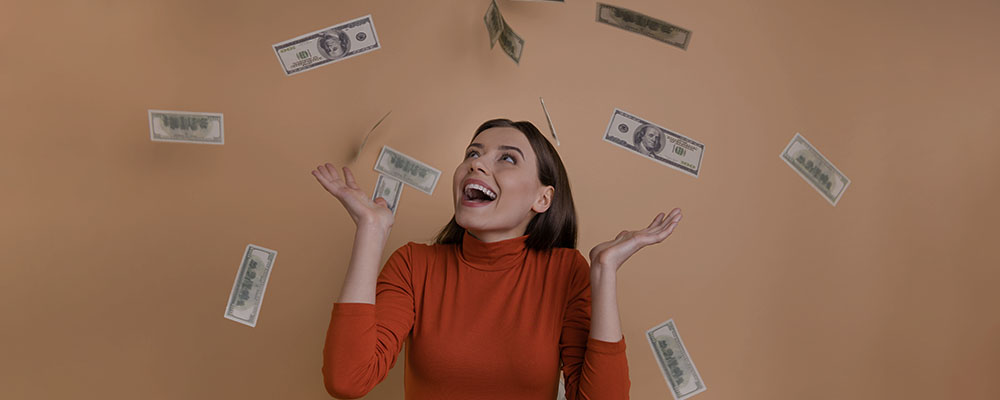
<point>556,227</point>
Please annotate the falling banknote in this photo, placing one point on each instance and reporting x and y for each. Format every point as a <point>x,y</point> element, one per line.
<point>549,120</point>
<point>815,169</point>
<point>644,25</point>
<point>407,170</point>
<point>655,142</point>
<point>388,189</point>
<point>327,45</point>
<point>675,363</point>
<point>185,127</point>
<point>251,281</point>
<point>498,30</point>
<point>511,43</point>
<point>494,22</point>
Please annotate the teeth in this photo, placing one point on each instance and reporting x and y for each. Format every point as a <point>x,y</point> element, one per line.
<point>481,188</point>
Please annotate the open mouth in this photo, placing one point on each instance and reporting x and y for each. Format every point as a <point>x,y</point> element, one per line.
<point>476,193</point>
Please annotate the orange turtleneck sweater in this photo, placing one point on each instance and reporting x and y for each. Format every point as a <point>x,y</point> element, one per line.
<point>480,321</point>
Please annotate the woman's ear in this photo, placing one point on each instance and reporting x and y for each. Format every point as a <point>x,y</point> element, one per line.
<point>544,200</point>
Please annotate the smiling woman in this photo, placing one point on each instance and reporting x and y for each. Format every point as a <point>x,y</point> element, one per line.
<point>500,303</point>
<point>530,189</point>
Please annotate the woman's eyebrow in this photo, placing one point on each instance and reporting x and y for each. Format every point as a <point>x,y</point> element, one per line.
<point>502,147</point>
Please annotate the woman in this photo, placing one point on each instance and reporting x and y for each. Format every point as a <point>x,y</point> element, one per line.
<point>503,296</point>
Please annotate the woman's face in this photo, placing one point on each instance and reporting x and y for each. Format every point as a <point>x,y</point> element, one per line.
<point>502,161</point>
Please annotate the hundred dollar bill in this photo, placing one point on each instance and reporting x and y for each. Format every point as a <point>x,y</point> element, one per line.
<point>367,135</point>
<point>388,189</point>
<point>185,127</point>
<point>407,170</point>
<point>511,43</point>
<point>642,24</point>
<point>815,169</point>
<point>494,22</point>
<point>655,142</point>
<point>327,45</point>
<point>251,281</point>
<point>675,363</point>
<point>549,120</point>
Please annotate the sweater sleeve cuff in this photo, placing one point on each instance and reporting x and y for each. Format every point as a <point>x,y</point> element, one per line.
<point>601,346</point>
<point>353,309</point>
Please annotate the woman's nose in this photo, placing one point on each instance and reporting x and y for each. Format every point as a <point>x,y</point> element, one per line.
<point>477,165</point>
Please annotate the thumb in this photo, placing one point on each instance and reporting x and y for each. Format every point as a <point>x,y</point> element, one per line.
<point>381,201</point>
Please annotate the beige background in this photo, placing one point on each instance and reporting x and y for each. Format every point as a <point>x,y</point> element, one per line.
<point>121,252</point>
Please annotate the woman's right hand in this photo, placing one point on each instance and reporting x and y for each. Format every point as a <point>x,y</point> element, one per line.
<point>358,204</point>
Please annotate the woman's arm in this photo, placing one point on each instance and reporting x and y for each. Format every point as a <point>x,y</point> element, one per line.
<point>605,324</point>
<point>363,270</point>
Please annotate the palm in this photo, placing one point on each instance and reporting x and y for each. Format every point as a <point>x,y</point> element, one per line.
<point>358,204</point>
<point>614,252</point>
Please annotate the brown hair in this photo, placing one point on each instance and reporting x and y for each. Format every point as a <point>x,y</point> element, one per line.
<point>556,227</point>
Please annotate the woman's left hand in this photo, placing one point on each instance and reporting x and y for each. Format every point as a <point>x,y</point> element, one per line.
<point>613,253</point>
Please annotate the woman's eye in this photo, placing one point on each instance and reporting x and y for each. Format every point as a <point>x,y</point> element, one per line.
<point>512,160</point>
<point>469,154</point>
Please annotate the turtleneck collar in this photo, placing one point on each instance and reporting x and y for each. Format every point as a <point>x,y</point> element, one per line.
<point>495,256</point>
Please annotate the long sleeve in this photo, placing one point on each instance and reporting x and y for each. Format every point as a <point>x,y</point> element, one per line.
<point>593,369</point>
<point>363,340</point>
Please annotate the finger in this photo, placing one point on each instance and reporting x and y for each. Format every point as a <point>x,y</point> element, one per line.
<point>670,229</point>
<point>660,224</point>
<point>656,220</point>
<point>383,202</point>
<point>349,178</point>
<point>318,175</point>
<point>673,217</point>
<point>330,172</point>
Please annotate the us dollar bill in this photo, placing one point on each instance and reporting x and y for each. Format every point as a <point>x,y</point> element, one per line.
<point>327,45</point>
<point>367,135</point>
<point>251,281</point>
<point>388,189</point>
<point>494,22</point>
<point>644,25</point>
<point>655,142</point>
<point>185,127</point>
<point>407,169</point>
<point>549,120</point>
<point>675,363</point>
<point>511,43</point>
<point>815,169</point>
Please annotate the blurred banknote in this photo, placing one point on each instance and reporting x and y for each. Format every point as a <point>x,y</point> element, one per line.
<point>494,22</point>
<point>185,127</point>
<point>655,142</point>
<point>549,120</point>
<point>815,169</point>
<point>407,170</point>
<point>642,24</point>
<point>367,135</point>
<point>511,43</point>
<point>561,394</point>
<point>388,189</point>
<point>498,30</point>
<point>327,45</point>
<point>251,281</point>
<point>675,363</point>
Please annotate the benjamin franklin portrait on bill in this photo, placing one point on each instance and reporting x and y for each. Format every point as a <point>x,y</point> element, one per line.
<point>334,44</point>
<point>648,140</point>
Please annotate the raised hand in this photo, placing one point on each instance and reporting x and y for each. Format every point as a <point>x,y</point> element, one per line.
<point>358,204</point>
<point>613,253</point>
